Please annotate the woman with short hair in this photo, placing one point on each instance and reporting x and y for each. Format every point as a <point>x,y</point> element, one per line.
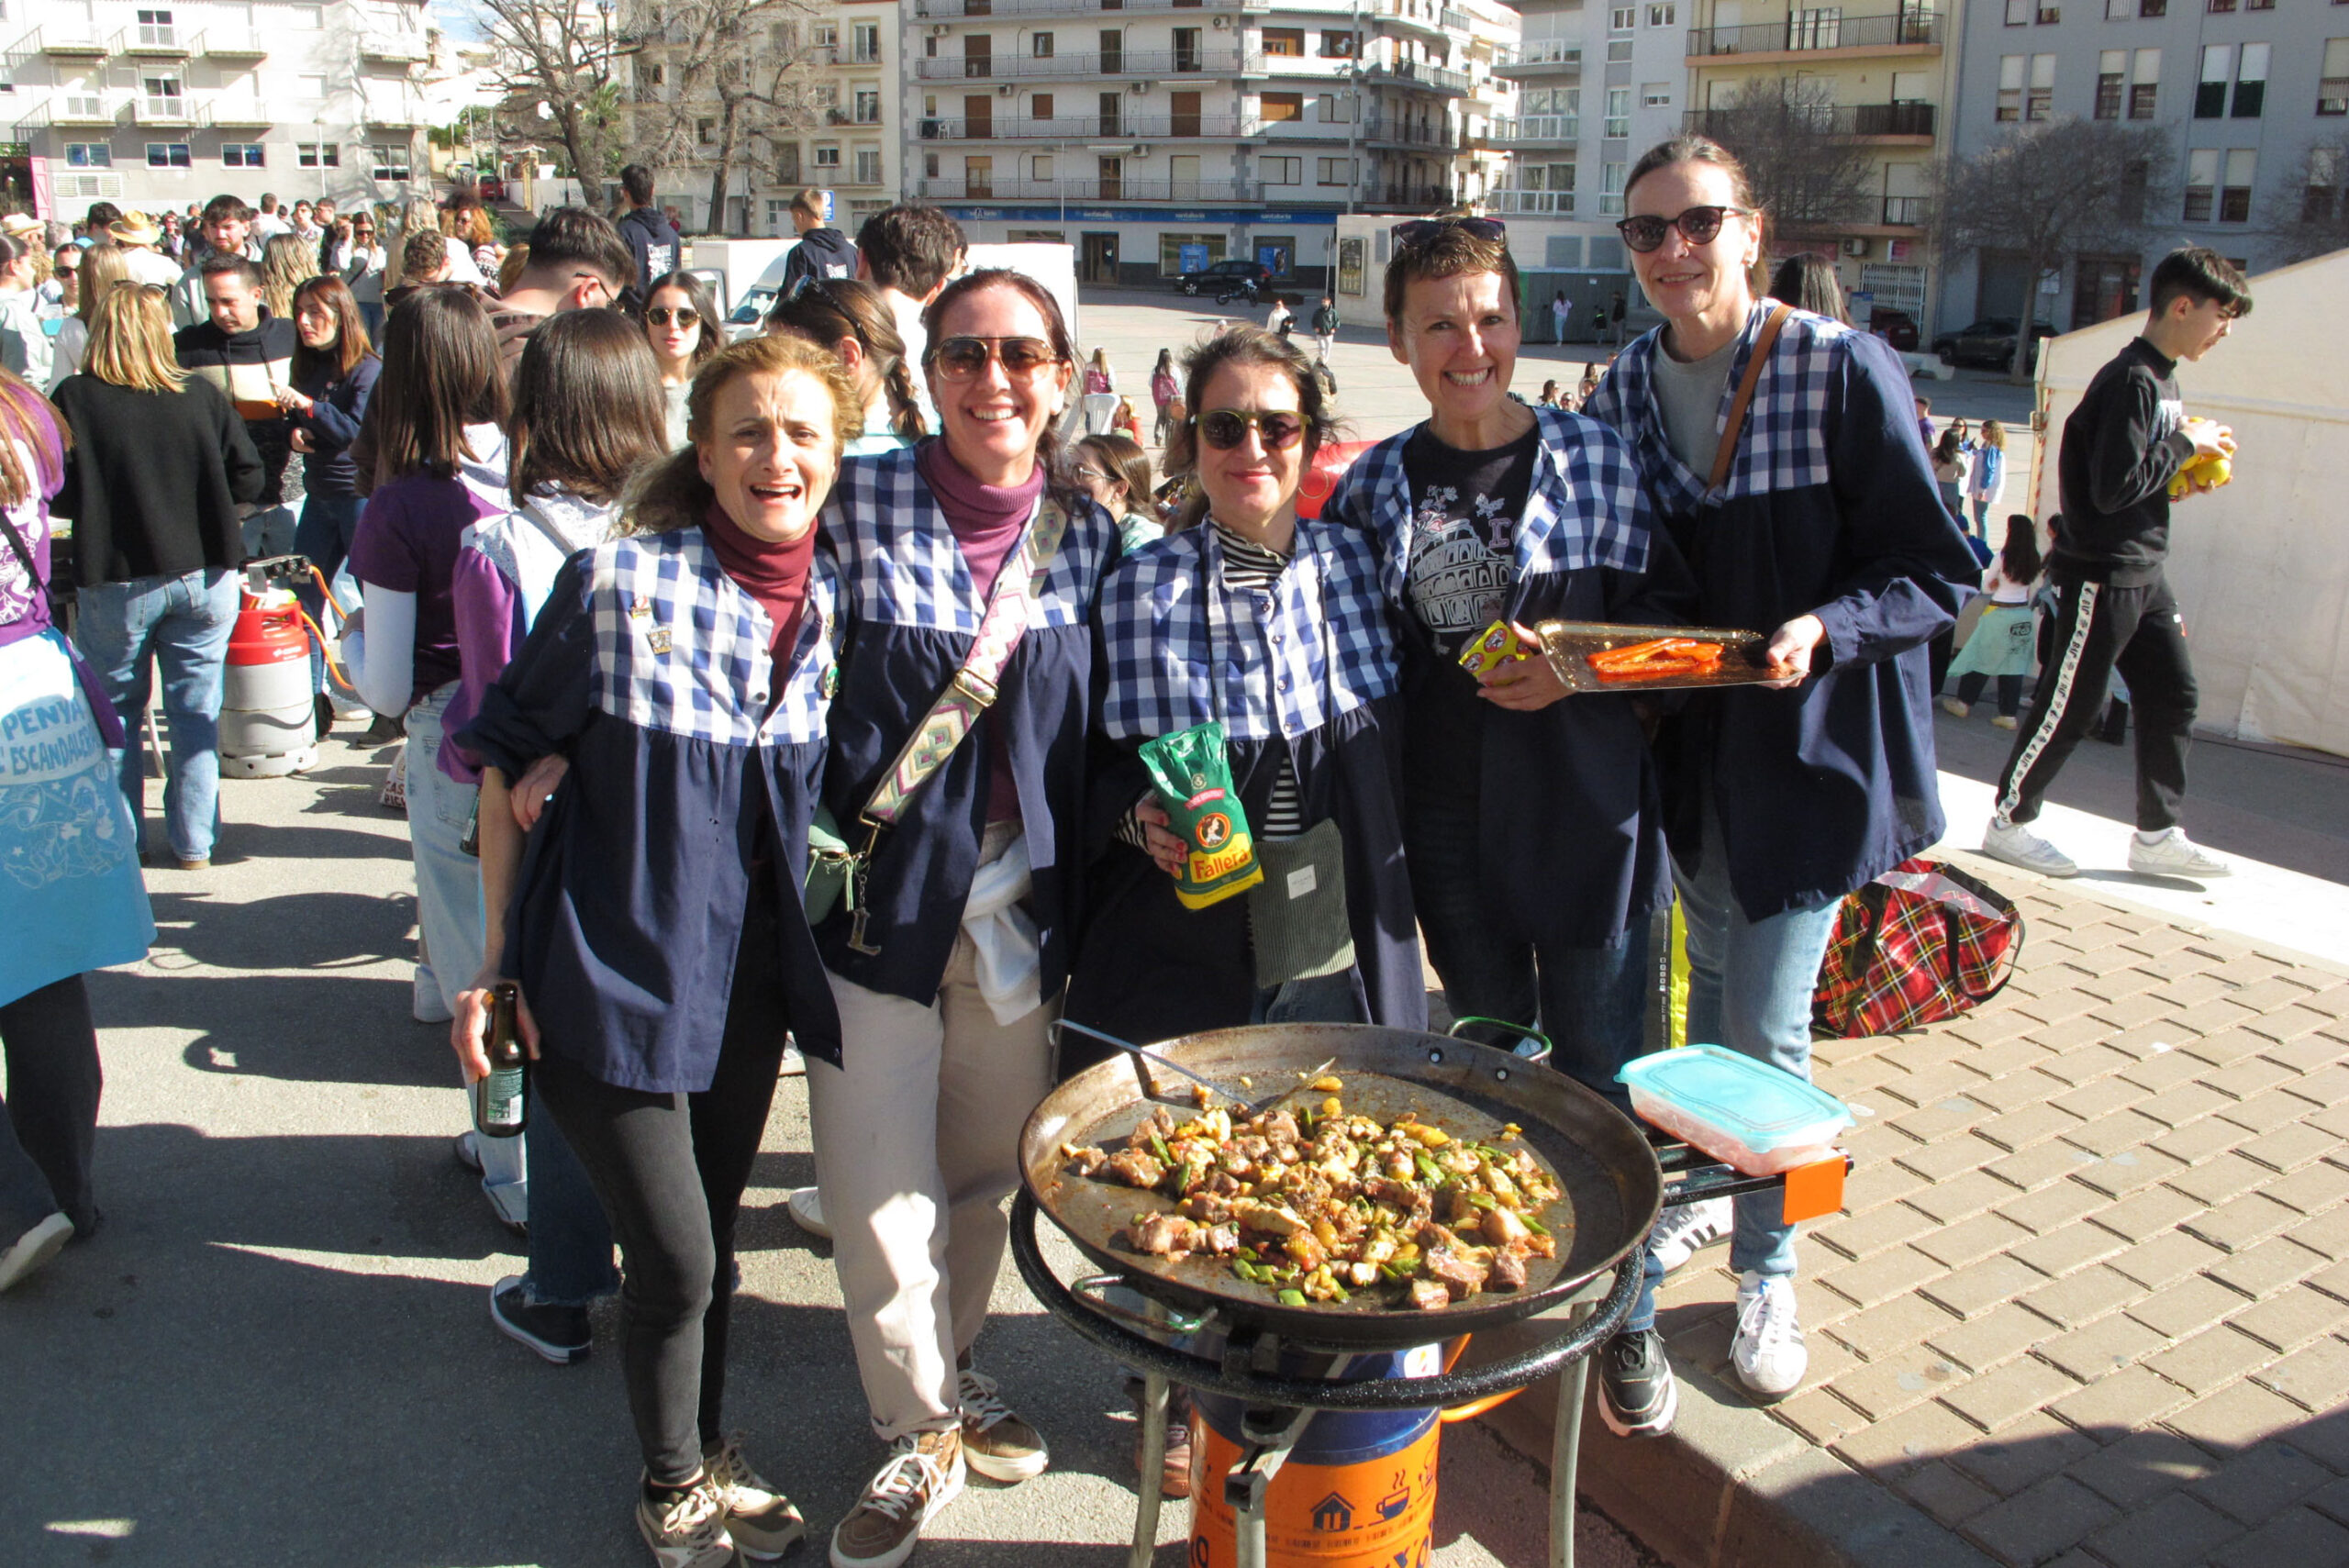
<point>1826,537</point>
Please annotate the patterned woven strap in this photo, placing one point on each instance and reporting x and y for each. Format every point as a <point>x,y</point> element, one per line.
<point>969,695</point>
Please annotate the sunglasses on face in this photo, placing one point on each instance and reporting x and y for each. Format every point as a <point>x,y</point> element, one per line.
<point>683,316</point>
<point>1421,229</point>
<point>1088,475</point>
<point>1698,226</point>
<point>1224,428</point>
<point>965,359</point>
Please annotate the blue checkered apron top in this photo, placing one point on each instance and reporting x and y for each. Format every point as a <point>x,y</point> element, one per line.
<point>1784,446</point>
<point>1585,507</point>
<point>902,566</point>
<point>681,647</point>
<point>1184,650</point>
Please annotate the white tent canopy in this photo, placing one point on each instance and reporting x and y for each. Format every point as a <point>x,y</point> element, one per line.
<point>2261,566</point>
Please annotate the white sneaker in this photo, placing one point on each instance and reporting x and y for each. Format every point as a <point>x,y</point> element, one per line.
<point>427,1005</point>
<point>794,1064</point>
<point>2019,846</point>
<point>1954,708</point>
<point>34,1247</point>
<point>1680,1233</point>
<point>689,1532</point>
<point>1768,1352</point>
<point>2173,855</point>
<point>806,1206</point>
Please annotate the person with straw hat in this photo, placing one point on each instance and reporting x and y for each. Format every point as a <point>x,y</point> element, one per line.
<point>142,249</point>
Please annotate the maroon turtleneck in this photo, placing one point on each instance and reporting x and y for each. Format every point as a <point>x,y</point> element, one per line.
<point>986,521</point>
<point>775,574</point>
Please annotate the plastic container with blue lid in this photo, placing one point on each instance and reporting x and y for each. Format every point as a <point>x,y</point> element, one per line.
<point>1758,1118</point>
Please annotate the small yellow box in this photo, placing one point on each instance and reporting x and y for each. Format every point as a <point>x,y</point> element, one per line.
<point>1496,645</point>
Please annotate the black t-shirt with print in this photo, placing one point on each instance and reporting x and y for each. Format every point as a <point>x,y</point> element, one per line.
<point>1465,510</point>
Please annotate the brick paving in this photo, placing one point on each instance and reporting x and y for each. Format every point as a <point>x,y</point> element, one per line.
<point>2089,1302</point>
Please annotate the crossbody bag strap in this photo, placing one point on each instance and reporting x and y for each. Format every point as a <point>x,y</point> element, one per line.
<point>1726,453</point>
<point>972,692</point>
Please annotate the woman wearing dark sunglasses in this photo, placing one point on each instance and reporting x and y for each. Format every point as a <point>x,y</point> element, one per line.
<point>681,323</point>
<point>956,932</point>
<point>1536,851</point>
<point>1827,537</point>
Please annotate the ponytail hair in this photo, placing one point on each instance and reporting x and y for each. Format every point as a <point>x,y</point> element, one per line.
<point>828,309</point>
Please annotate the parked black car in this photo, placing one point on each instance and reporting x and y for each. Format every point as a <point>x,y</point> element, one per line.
<point>1896,327</point>
<point>1990,343</point>
<point>1224,279</point>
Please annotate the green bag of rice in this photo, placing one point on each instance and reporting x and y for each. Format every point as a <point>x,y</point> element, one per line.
<point>1192,778</point>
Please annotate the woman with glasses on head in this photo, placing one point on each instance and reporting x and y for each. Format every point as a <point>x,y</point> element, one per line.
<point>1536,848</point>
<point>854,320</point>
<point>1826,537</point>
<point>1114,471</point>
<point>681,323</point>
<point>956,934</point>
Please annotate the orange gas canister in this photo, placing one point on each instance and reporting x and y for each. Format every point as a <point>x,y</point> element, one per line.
<point>268,724</point>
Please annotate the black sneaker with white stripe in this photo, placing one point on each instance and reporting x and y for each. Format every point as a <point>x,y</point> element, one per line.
<point>1637,1395</point>
<point>560,1334</point>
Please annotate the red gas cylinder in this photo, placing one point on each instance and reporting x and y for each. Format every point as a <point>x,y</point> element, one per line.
<point>268,725</point>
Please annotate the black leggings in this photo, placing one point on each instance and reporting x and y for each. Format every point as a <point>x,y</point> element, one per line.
<point>52,1104</point>
<point>670,1169</point>
<point>1970,685</point>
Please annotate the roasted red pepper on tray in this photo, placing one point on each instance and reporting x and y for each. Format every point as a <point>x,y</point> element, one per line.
<point>1657,657</point>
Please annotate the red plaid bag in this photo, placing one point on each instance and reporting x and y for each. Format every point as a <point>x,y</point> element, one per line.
<point>1922,942</point>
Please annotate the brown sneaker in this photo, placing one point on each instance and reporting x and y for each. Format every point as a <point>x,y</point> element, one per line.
<point>761,1520</point>
<point>689,1531</point>
<point>997,1441</point>
<point>924,1474</point>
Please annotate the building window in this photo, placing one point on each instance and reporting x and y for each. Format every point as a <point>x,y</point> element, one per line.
<point>2019,12</point>
<point>389,160</point>
<point>2048,13</point>
<point>1285,43</point>
<point>868,105</point>
<point>1206,251</point>
<point>1619,51</point>
<point>1039,168</point>
<point>1665,16</point>
<point>2210,91</point>
<point>1040,106</point>
<point>1282,106</point>
<point>1281,171</point>
<point>655,74</point>
<point>2222,5</point>
<point>163,95</point>
<point>2201,183</point>
<point>241,155</point>
<point>155,28</point>
<point>787,162</point>
<point>868,165</point>
<point>2320,199</point>
<point>88,155</point>
<point>2144,83</point>
<point>1655,95</point>
<point>1610,188</point>
<point>2235,196</point>
<point>1332,171</point>
<point>2010,74</point>
<point>2111,66</point>
<point>1338,46</point>
<point>318,155</point>
<point>1622,19</point>
<point>827,155</point>
<point>167,155</point>
<point>2042,100</point>
<point>824,35</point>
<point>705,132</point>
<point>978,176</point>
<point>1040,46</point>
<point>1335,110</point>
<point>2119,10</point>
<point>2152,7</point>
<point>1619,112</point>
<point>866,43</point>
<point>2332,91</point>
<point>2251,82</point>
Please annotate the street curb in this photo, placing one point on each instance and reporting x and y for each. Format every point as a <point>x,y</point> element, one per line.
<point>1731,1487</point>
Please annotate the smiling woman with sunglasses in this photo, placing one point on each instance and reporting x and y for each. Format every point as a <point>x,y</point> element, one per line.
<point>969,586</point>
<point>1536,851</point>
<point>681,323</point>
<point>1824,534</point>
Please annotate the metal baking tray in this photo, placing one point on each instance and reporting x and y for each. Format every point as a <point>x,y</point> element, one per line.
<point>1568,644</point>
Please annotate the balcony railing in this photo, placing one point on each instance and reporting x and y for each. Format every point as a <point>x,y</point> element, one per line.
<point>1551,203</point>
<point>231,43</point>
<point>949,188</point>
<point>397,49</point>
<point>1403,133</point>
<point>1425,14</point>
<point>163,109</point>
<point>1407,195</point>
<point>950,9</point>
<point>1809,31</point>
<point>1847,120</point>
<point>1089,127</point>
<point>1913,211</point>
<point>80,109</point>
<point>72,41</point>
<point>152,40</point>
<point>1542,129</point>
<point>1141,63</point>
<point>1412,72</point>
<point>1538,56</point>
<point>229,114</point>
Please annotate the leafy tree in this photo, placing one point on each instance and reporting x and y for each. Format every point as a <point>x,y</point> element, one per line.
<point>556,63</point>
<point>2049,191</point>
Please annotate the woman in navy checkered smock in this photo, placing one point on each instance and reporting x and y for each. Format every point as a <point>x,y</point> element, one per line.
<point>1276,627</point>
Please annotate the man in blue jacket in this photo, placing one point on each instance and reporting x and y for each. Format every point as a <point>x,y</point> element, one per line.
<point>2125,443</point>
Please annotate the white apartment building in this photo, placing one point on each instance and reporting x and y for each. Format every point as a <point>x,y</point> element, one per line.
<point>1157,136</point>
<point>153,106</point>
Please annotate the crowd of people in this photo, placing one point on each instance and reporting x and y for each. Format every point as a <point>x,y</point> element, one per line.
<point>844,585</point>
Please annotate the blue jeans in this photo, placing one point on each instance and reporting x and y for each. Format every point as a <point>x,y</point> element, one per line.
<point>1323,999</point>
<point>1750,985</point>
<point>1982,516</point>
<point>1591,1002</point>
<point>328,524</point>
<point>270,531</point>
<point>183,624</point>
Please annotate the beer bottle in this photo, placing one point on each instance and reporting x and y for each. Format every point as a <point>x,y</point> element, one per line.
<point>501,1100</point>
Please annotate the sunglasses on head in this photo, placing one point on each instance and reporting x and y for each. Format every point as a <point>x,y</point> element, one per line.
<point>1698,226</point>
<point>1224,428</point>
<point>683,316</point>
<point>1421,229</point>
<point>965,359</point>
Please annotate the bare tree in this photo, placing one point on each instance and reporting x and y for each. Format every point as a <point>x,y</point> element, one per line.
<point>737,73</point>
<point>2049,191</point>
<point>1810,171</point>
<point>557,62</point>
<point>2319,220</point>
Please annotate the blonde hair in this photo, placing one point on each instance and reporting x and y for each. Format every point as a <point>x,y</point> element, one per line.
<point>288,263</point>
<point>131,341</point>
<point>102,271</point>
<point>672,494</point>
<point>1994,434</point>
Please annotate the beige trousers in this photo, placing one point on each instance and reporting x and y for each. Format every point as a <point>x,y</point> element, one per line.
<point>917,1146</point>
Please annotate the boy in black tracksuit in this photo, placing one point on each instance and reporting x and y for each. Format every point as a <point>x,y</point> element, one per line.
<point>2123,447</point>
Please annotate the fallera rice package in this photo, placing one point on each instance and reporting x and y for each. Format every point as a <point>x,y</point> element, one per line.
<point>1192,778</point>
